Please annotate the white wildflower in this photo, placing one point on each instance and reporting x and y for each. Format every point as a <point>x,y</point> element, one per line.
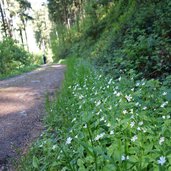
<point>99,112</point>
<point>124,157</point>
<point>125,112</point>
<point>144,130</point>
<point>140,123</point>
<point>164,93</point>
<point>98,103</point>
<point>81,97</point>
<point>54,147</point>
<point>137,104</point>
<point>164,104</point>
<point>132,116</point>
<point>115,92</point>
<point>134,138</point>
<point>132,89</point>
<point>143,83</point>
<point>73,120</point>
<point>128,98</point>
<point>168,116</point>
<point>85,126</point>
<point>68,141</point>
<point>137,84</point>
<point>132,124</point>
<point>102,118</point>
<point>119,79</point>
<point>138,128</point>
<point>161,140</point>
<point>144,108</point>
<point>132,111</point>
<point>110,81</point>
<point>110,108</point>
<point>108,124</point>
<point>111,132</point>
<point>99,136</point>
<point>118,119</point>
<point>118,94</point>
<point>162,160</point>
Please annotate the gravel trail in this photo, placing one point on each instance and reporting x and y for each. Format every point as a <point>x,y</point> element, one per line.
<point>22,107</point>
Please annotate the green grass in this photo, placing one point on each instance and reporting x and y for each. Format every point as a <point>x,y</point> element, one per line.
<point>98,123</point>
<point>18,71</point>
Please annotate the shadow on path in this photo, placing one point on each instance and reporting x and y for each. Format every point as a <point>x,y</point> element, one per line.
<point>22,108</point>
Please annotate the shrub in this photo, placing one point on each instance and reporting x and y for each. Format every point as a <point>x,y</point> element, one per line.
<point>12,56</point>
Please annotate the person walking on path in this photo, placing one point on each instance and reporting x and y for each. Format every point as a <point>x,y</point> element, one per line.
<point>44,59</point>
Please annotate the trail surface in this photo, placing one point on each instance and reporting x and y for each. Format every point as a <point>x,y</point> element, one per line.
<point>22,107</point>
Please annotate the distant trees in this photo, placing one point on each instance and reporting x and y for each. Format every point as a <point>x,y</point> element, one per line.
<point>69,12</point>
<point>71,17</point>
<point>14,15</point>
<point>42,28</point>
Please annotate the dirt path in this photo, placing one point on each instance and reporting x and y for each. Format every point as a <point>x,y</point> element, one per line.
<point>22,108</point>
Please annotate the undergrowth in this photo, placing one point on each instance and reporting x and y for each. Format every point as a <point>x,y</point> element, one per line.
<point>18,71</point>
<point>98,123</point>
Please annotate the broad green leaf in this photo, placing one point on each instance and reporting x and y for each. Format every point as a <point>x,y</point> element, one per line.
<point>35,162</point>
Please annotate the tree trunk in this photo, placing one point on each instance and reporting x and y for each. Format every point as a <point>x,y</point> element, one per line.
<point>21,36</point>
<point>25,32</point>
<point>3,20</point>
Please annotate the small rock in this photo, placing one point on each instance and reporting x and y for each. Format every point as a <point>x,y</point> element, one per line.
<point>35,81</point>
<point>23,113</point>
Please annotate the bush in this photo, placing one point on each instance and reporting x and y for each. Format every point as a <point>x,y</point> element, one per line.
<point>12,56</point>
<point>141,42</point>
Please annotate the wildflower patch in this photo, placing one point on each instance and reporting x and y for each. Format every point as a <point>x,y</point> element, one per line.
<point>98,123</point>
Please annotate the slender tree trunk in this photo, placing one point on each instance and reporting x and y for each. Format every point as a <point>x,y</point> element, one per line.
<point>25,32</point>
<point>21,36</point>
<point>3,20</point>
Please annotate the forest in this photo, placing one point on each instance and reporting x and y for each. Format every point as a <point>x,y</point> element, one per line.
<point>16,52</point>
<point>113,111</point>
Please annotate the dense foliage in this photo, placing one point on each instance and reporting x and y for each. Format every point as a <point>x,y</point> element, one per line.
<point>12,56</point>
<point>123,35</point>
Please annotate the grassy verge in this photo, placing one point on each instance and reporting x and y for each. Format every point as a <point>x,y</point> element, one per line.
<point>18,71</point>
<point>98,123</point>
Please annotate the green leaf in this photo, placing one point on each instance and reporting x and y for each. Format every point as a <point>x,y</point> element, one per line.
<point>109,167</point>
<point>35,162</point>
<point>168,96</point>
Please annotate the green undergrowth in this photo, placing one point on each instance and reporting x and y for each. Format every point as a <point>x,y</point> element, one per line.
<point>133,34</point>
<point>98,123</point>
<point>18,71</point>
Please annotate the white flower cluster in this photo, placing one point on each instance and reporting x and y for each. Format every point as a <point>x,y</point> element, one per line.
<point>123,158</point>
<point>99,136</point>
<point>68,141</point>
